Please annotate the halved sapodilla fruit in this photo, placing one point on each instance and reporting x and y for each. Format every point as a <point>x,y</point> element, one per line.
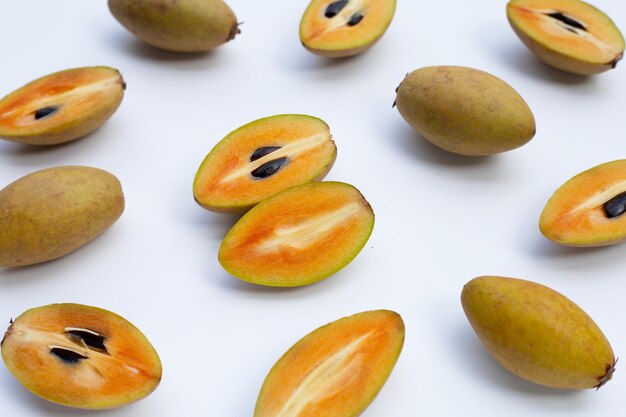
<point>341,28</point>
<point>299,236</point>
<point>61,107</point>
<point>570,35</point>
<point>262,158</point>
<point>80,356</point>
<point>589,209</point>
<point>335,371</point>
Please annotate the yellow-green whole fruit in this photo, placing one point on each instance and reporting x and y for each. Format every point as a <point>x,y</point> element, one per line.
<point>465,110</point>
<point>537,333</point>
<point>52,212</point>
<point>177,25</point>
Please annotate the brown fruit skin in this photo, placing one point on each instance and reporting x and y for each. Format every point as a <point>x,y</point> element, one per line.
<point>538,334</point>
<point>177,25</point>
<point>554,56</point>
<point>344,364</point>
<point>127,372</point>
<point>464,110</point>
<point>52,212</point>
<point>574,215</point>
<point>82,117</point>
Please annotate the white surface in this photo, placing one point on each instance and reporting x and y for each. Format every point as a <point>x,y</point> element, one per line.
<point>441,219</point>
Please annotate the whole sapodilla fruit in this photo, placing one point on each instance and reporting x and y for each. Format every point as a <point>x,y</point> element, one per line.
<point>80,356</point>
<point>50,213</point>
<point>341,28</point>
<point>537,333</point>
<point>179,26</point>
<point>464,110</point>
<point>589,209</point>
<point>570,35</point>
<point>61,107</point>
<point>336,370</point>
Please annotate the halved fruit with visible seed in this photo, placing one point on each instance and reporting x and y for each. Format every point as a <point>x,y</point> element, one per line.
<point>341,28</point>
<point>61,107</point>
<point>589,209</point>
<point>335,371</point>
<point>299,236</point>
<point>570,35</point>
<point>81,356</point>
<point>262,158</point>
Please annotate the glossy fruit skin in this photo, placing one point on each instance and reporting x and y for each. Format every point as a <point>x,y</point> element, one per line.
<point>464,110</point>
<point>52,212</point>
<point>178,26</point>
<point>234,151</point>
<point>344,41</point>
<point>298,236</point>
<point>126,370</point>
<point>538,334</point>
<point>554,52</point>
<point>86,98</point>
<point>336,370</point>
<point>574,215</point>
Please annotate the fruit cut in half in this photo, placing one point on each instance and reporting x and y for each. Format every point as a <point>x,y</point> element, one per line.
<point>80,356</point>
<point>262,158</point>
<point>570,35</point>
<point>335,371</point>
<point>61,107</point>
<point>589,209</point>
<point>299,236</point>
<point>537,333</point>
<point>341,28</point>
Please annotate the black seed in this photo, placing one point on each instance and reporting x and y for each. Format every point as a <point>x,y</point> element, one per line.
<point>333,9</point>
<point>567,20</point>
<point>46,111</point>
<point>261,152</point>
<point>355,19</point>
<point>67,355</point>
<point>269,168</point>
<point>615,206</point>
<point>91,339</point>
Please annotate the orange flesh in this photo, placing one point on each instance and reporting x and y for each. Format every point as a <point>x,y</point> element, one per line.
<point>575,215</point>
<point>600,43</point>
<point>335,371</point>
<point>299,236</point>
<point>224,181</point>
<point>77,93</point>
<point>130,370</point>
<point>321,33</point>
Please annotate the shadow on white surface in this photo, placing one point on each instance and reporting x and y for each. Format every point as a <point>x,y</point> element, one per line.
<point>119,40</point>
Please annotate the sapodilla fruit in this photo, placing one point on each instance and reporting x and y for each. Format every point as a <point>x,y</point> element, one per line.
<point>178,26</point>
<point>80,356</point>
<point>52,212</point>
<point>537,333</point>
<point>61,107</point>
<point>335,371</point>
<point>342,28</point>
<point>570,35</point>
<point>465,110</point>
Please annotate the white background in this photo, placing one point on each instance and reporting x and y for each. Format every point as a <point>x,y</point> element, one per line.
<point>441,219</point>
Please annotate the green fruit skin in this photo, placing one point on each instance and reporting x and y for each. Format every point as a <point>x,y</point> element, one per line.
<point>464,110</point>
<point>538,334</point>
<point>177,25</point>
<point>52,212</point>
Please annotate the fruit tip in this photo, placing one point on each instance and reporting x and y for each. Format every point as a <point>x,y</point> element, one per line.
<point>610,369</point>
